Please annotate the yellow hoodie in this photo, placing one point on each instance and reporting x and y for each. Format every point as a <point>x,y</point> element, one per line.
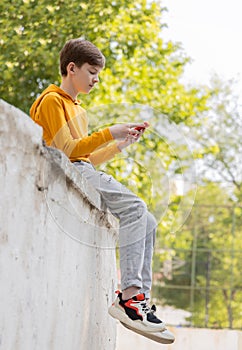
<point>65,126</point>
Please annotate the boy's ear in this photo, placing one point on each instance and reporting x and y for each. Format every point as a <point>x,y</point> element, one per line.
<point>71,67</point>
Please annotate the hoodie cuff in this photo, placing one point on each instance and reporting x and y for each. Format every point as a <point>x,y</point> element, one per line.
<point>107,135</point>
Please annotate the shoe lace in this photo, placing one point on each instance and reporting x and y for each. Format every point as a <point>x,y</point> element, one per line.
<point>151,310</point>
<point>145,308</point>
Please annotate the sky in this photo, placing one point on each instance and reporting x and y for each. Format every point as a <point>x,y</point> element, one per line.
<point>210,32</point>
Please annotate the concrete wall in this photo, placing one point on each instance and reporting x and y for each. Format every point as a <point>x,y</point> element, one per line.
<point>186,339</point>
<point>57,256</point>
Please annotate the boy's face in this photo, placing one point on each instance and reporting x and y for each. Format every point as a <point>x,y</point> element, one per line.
<point>85,77</point>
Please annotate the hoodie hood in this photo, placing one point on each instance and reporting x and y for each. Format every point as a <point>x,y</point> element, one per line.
<point>50,89</point>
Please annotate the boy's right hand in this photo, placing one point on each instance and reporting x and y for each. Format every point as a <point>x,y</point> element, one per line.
<point>122,131</point>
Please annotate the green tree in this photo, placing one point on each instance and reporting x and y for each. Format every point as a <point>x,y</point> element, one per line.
<point>141,68</point>
<point>219,138</point>
<point>203,257</point>
<point>204,262</point>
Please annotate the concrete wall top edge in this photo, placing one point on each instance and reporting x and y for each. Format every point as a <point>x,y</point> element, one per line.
<point>13,118</point>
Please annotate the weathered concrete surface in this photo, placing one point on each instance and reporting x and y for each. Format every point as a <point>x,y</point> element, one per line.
<point>57,256</point>
<point>186,339</point>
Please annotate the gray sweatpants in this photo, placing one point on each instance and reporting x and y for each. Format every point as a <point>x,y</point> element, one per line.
<point>137,227</point>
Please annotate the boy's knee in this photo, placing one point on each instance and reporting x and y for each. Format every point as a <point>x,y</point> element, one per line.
<point>141,208</point>
<point>151,220</point>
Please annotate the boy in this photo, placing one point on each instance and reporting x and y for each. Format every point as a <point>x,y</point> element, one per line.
<point>64,124</point>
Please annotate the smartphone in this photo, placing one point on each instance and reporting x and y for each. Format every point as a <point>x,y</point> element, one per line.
<point>139,128</point>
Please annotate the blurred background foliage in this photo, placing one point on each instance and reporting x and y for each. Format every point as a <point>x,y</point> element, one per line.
<point>140,66</point>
